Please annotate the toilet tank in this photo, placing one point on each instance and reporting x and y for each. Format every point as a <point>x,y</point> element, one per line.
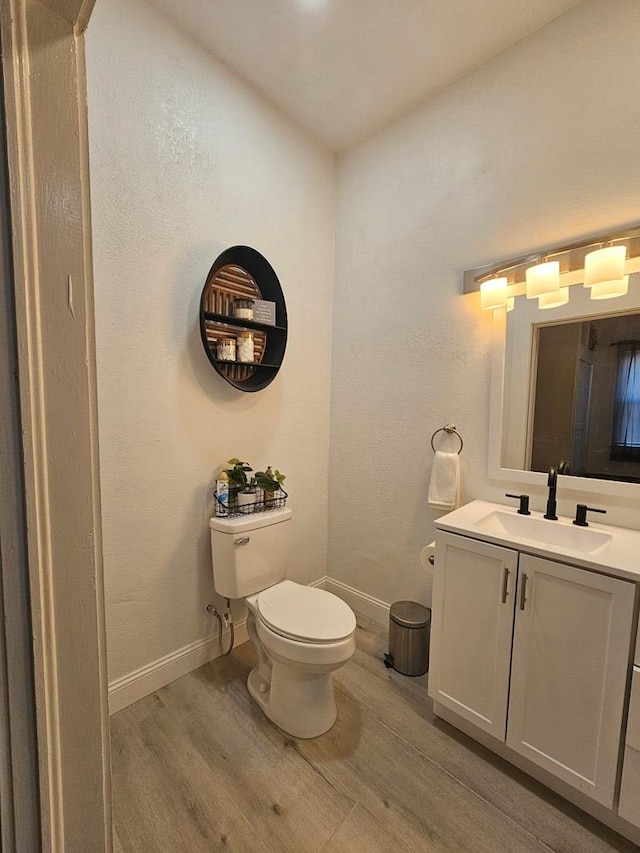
<point>251,552</point>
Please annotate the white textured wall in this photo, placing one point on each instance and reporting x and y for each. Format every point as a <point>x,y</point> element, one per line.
<point>537,146</point>
<point>186,161</point>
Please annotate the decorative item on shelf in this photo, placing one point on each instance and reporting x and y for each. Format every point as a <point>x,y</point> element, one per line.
<point>241,491</point>
<point>270,482</point>
<point>238,494</point>
<point>247,498</point>
<point>245,347</point>
<point>264,311</point>
<point>226,349</point>
<point>222,494</point>
<point>243,309</point>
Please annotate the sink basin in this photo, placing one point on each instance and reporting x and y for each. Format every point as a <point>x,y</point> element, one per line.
<point>599,547</point>
<point>543,531</point>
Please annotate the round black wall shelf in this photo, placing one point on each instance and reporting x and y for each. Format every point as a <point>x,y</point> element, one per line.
<point>243,273</point>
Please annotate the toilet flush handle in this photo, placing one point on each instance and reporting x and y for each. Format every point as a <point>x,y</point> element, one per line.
<point>242,541</point>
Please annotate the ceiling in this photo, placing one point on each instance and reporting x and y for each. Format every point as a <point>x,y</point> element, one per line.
<point>344,68</point>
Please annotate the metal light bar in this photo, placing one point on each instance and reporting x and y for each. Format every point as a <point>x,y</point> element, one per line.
<point>571,258</point>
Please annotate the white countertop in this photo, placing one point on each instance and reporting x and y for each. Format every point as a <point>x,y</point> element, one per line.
<point>611,550</point>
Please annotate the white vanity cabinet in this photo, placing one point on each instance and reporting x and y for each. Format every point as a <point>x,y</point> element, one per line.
<point>536,653</point>
<point>569,672</point>
<point>471,630</point>
<point>630,789</point>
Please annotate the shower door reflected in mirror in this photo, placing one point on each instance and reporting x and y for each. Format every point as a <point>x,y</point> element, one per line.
<point>585,403</point>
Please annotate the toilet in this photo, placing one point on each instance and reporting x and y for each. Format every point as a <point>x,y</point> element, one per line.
<point>302,634</point>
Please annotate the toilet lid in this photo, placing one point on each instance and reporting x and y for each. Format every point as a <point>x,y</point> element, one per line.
<point>305,613</point>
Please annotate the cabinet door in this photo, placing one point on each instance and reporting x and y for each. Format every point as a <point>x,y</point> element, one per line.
<point>629,806</point>
<point>472,624</point>
<point>570,663</point>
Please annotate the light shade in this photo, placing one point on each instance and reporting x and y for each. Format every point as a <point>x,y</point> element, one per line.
<point>604,265</point>
<point>493,293</point>
<point>543,278</point>
<point>555,299</point>
<point>610,289</point>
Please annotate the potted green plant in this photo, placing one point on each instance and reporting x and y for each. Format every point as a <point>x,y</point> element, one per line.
<point>270,482</point>
<point>242,490</point>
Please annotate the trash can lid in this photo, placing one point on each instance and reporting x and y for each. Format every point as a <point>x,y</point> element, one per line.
<point>410,614</point>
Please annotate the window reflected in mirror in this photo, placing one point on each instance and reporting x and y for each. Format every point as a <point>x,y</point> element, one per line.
<point>586,397</point>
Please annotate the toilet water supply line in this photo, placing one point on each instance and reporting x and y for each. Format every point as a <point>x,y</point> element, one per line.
<point>228,619</point>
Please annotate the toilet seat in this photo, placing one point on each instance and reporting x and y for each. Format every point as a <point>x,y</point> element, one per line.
<point>305,614</point>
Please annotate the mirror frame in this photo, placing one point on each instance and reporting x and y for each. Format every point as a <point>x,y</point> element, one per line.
<point>526,479</point>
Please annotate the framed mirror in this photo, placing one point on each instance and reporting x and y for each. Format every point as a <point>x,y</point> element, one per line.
<point>564,387</point>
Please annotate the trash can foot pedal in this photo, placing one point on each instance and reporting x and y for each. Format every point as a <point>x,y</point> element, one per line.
<point>388,661</point>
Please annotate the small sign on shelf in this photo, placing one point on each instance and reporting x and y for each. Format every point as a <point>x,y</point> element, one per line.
<point>264,312</point>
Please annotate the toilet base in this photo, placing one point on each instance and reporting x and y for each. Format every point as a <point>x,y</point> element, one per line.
<point>301,703</point>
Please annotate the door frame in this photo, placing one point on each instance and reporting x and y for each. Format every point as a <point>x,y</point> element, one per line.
<point>19,788</point>
<point>47,148</point>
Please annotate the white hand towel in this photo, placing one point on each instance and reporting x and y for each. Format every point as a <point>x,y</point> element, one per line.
<point>444,485</point>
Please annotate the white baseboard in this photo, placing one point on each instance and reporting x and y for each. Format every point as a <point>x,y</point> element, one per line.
<point>359,601</point>
<point>141,682</point>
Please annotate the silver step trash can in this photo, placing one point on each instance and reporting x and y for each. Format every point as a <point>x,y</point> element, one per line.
<point>409,626</point>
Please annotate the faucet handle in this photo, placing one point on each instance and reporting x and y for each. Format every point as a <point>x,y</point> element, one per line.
<point>581,514</point>
<point>524,503</point>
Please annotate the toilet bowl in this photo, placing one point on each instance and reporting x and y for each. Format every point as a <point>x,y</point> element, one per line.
<point>301,634</point>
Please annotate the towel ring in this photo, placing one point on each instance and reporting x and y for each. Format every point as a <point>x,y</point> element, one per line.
<point>451,430</point>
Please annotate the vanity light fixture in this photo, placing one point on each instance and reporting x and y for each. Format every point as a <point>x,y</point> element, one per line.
<point>493,293</point>
<point>602,261</point>
<point>554,299</point>
<point>543,278</point>
<point>610,289</point>
<point>604,265</point>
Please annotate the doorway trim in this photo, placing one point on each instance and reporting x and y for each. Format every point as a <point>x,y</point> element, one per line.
<point>19,786</point>
<point>46,125</point>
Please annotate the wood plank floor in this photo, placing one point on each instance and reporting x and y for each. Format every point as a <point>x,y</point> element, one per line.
<point>198,767</point>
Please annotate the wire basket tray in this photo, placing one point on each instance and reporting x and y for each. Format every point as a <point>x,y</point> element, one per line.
<point>264,504</point>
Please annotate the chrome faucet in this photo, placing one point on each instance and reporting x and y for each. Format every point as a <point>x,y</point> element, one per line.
<point>552,482</point>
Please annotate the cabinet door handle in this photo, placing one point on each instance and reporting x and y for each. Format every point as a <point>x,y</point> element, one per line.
<point>523,591</point>
<point>505,584</point>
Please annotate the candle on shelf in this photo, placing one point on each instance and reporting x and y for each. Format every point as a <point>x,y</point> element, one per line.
<point>243,309</point>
